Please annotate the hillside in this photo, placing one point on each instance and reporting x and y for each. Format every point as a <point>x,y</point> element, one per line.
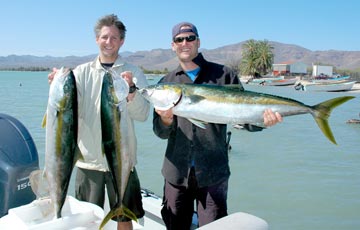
<point>159,59</point>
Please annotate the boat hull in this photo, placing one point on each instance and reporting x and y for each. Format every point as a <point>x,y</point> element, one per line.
<point>282,82</point>
<point>330,87</point>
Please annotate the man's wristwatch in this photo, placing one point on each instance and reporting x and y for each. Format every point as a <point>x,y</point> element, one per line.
<point>132,88</point>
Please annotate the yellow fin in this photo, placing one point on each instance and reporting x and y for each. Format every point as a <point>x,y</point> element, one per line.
<point>121,211</point>
<point>322,113</point>
<point>43,123</point>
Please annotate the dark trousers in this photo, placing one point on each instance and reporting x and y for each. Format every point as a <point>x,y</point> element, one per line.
<point>178,203</point>
<point>90,187</point>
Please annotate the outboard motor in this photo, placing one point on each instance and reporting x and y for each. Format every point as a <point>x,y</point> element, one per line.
<point>18,158</point>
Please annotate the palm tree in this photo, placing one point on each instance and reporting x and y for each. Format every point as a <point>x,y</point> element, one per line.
<point>247,65</point>
<point>265,57</point>
<point>257,57</point>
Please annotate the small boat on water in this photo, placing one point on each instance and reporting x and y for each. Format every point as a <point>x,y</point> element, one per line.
<point>354,121</point>
<point>282,82</point>
<point>326,87</point>
<point>331,79</point>
<point>260,80</point>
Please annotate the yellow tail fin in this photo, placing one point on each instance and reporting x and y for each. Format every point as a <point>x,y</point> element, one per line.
<point>121,211</point>
<point>321,113</point>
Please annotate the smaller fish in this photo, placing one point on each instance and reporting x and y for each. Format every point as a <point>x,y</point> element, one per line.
<point>202,104</point>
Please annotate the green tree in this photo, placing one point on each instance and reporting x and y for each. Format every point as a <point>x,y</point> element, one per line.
<point>257,57</point>
<point>265,57</point>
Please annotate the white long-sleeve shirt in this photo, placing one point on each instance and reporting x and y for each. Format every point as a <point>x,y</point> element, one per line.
<point>89,77</point>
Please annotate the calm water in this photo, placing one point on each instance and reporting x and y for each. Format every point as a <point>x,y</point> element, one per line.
<point>290,175</point>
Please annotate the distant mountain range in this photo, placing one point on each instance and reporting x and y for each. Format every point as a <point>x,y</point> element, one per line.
<point>159,59</point>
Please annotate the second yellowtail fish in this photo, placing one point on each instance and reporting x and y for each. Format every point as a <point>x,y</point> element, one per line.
<point>115,141</point>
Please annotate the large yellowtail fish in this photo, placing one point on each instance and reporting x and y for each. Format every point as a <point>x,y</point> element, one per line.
<point>203,104</point>
<point>114,138</point>
<point>61,136</point>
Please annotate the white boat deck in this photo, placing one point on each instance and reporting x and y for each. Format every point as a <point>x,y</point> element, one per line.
<point>79,215</point>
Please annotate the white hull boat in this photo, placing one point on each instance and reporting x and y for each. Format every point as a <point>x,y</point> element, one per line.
<point>327,87</point>
<point>281,82</point>
<point>78,215</point>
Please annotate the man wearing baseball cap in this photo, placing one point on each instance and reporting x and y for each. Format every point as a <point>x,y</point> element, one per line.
<point>196,166</point>
<point>183,27</point>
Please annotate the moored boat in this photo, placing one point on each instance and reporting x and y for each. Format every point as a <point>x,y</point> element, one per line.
<point>331,79</point>
<point>261,80</point>
<point>354,121</point>
<point>282,82</point>
<point>327,87</point>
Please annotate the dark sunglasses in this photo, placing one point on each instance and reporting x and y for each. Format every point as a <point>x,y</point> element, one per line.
<point>188,39</point>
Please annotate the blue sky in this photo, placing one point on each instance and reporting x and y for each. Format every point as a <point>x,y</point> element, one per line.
<point>63,28</point>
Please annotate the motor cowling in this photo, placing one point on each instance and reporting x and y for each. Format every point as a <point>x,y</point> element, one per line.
<point>18,158</point>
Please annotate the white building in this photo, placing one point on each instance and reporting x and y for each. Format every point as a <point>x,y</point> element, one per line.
<point>322,70</point>
<point>289,68</point>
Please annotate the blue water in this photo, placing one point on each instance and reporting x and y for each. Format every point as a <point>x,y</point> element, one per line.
<point>290,174</point>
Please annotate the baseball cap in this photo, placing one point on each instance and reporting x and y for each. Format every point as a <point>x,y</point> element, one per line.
<point>177,29</point>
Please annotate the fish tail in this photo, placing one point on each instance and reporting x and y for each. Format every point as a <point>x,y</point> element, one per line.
<point>321,113</point>
<point>121,211</point>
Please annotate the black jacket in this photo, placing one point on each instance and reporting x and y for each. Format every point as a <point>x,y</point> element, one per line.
<point>189,145</point>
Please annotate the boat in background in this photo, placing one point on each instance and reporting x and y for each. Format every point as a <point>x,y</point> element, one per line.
<point>325,87</point>
<point>278,81</point>
<point>282,82</point>
<point>333,79</point>
<point>354,121</point>
<point>260,80</point>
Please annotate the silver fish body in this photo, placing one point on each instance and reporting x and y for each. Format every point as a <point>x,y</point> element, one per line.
<point>61,136</point>
<point>115,139</point>
<point>203,104</point>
